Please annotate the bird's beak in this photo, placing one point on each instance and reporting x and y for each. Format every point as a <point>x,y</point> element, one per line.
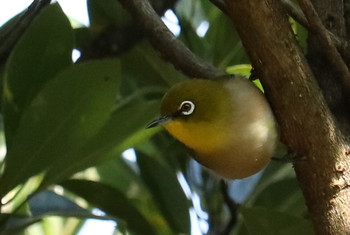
<point>159,121</point>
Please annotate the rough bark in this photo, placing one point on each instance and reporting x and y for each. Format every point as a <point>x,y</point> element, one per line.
<point>334,84</point>
<point>307,124</point>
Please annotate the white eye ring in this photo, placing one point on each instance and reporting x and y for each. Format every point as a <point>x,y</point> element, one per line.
<point>187,107</point>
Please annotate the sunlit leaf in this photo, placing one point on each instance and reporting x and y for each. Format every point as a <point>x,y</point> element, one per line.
<point>242,69</point>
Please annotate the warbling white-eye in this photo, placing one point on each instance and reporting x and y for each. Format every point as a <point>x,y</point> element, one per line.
<point>226,121</point>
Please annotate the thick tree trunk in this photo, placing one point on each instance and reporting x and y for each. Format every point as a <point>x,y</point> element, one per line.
<point>308,126</point>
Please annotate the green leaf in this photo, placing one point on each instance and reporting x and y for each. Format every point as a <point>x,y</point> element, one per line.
<point>118,174</point>
<point>225,46</point>
<point>274,172</point>
<point>111,201</point>
<point>103,13</point>
<point>68,112</point>
<point>301,35</point>
<point>151,70</point>
<point>44,50</point>
<point>211,12</point>
<point>268,222</point>
<point>195,43</point>
<point>242,69</point>
<point>83,37</point>
<point>166,189</point>
<point>284,196</point>
<point>124,129</point>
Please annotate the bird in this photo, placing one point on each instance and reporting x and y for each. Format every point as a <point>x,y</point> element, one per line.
<point>226,122</point>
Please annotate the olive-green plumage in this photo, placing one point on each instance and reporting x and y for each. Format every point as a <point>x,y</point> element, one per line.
<point>226,121</point>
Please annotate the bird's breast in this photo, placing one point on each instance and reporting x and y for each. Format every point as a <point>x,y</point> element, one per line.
<point>201,137</point>
<point>232,151</point>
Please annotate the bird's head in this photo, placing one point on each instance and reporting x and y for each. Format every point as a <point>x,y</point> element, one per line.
<point>191,110</point>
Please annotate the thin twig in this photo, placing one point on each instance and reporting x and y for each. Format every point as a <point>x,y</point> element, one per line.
<point>317,28</point>
<point>170,48</point>
<point>232,206</point>
<point>295,12</point>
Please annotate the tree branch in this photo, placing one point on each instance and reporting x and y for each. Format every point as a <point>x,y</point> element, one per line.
<point>9,39</point>
<point>170,48</point>
<point>297,14</point>
<point>347,15</point>
<point>116,40</point>
<point>334,58</point>
<point>306,123</point>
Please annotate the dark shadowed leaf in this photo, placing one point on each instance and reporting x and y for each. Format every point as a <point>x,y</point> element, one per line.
<point>286,196</point>
<point>44,50</point>
<point>106,13</point>
<point>268,222</point>
<point>273,173</point>
<point>47,202</point>
<point>117,173</point>
<point>162,182</point>
<point>151,69</point>
<point>225,46</point>
<point>112,201</point>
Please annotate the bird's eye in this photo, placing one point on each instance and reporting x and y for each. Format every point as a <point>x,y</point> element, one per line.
<point>187,107</point>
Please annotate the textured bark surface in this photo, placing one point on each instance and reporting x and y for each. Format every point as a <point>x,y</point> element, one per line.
<point>336,91</point>
<point>308,126</point>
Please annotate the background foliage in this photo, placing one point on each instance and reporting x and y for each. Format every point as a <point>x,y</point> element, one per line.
<point>67,124</point>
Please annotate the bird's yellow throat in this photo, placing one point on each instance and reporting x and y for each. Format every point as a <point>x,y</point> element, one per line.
<point>193,135</point>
